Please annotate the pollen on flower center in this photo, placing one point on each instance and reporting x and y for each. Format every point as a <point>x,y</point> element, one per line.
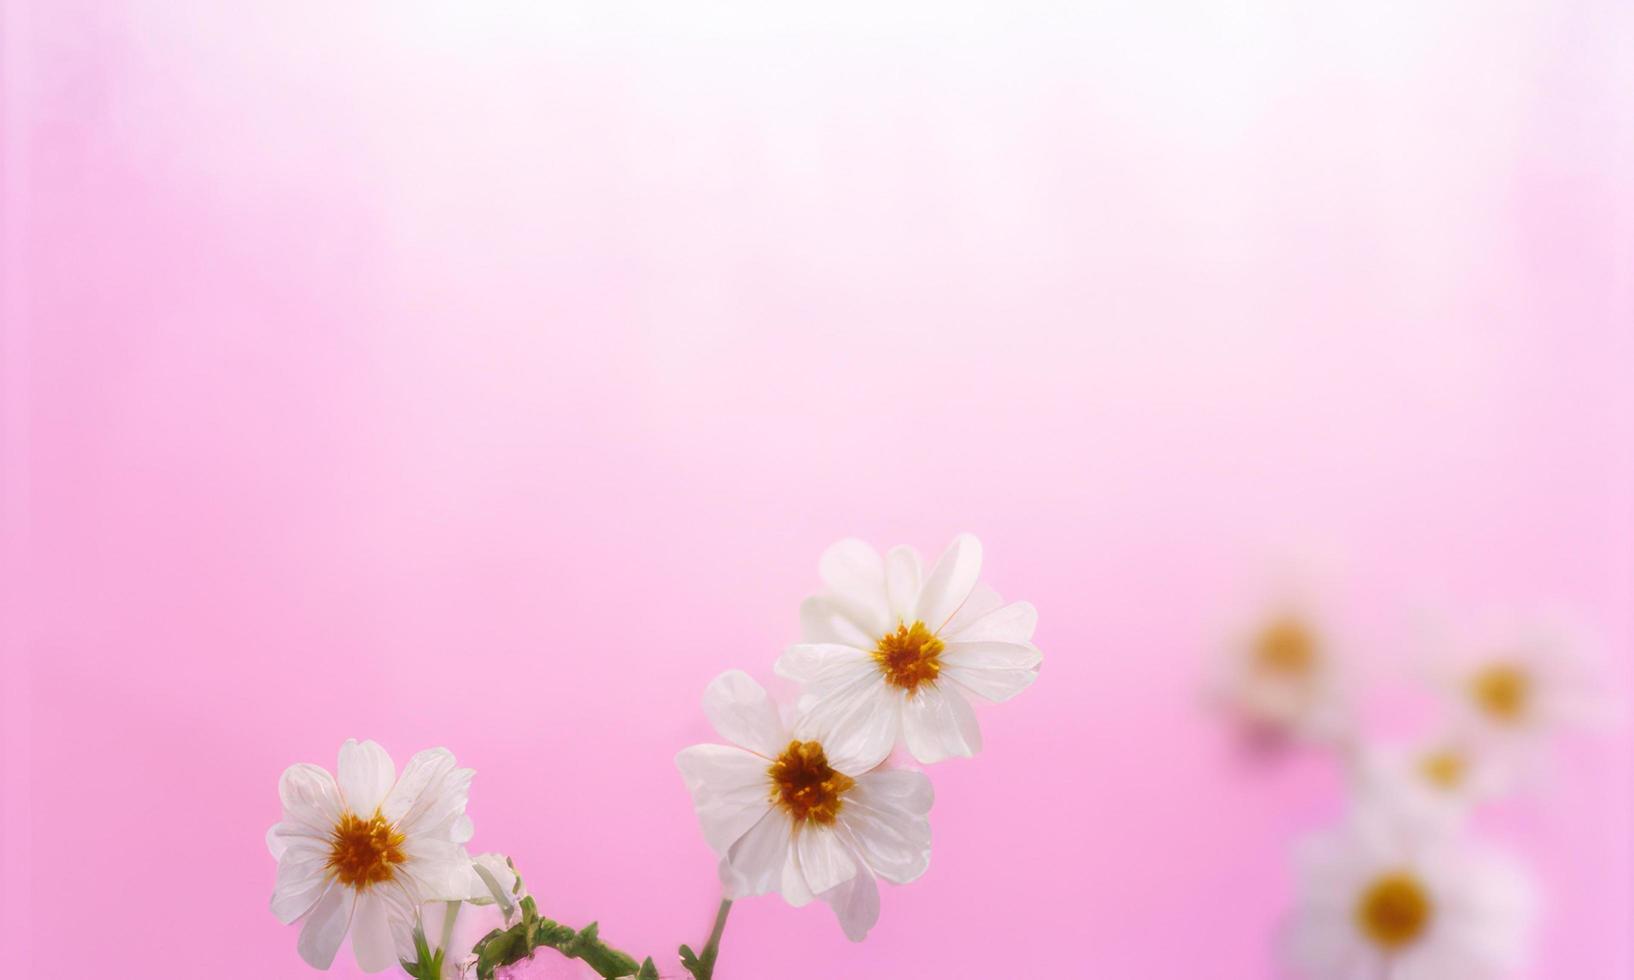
<point>1394,911</point>
<point>1445,769</point>
<point>909,657</point>
<point>364,852</point>
<point>1287,649</point>
<point>805,785</point>
<point>1503,691</point>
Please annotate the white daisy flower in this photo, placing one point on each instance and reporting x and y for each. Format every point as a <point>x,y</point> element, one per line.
<point>1282,674</point>
<point>360,851</point>
<point>1381,899</point>
<point>1515,682</point>
<point>1435,781</point>
<point>890,652</point>
<point>795,815</point>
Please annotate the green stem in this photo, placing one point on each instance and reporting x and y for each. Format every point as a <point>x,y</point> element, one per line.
<point>451,913</point>
<point>426,965</point>
<point>712,948</point>
<point>502,947</point>
<point>702,965</point>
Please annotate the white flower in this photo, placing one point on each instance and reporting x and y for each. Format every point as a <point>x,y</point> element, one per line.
<point>797,816</point>
<point>1448,773</point>
<point>1513,683</point>
<point>891,652</point>
<point>359,851</point>
<point>475,908</point>
<point>1435,782</point>
<point>1282,674</point>
<point>1380,899</point>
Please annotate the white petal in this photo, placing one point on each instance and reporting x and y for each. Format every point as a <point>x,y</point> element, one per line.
<point>730,790</point>
<point>852,568</point>
<point>991,655</point>
<point>824,619</point>
<point>467,887</point>
<point>439,810</point>
<point>856,905</point>
<point>903,574</point>
<point>302,877</point>
<point>401,913</point>
<point>500,870</point>
<point>855,576</point>
<point>744,714</point>
<point>365,774</point>
<point>793,885</point>
<point>937,724</point>
<point>371,934</point>
<point>311,800</point>
<point>1325,945</point>
<point>982,600</point>
<point>950,582</point>
<point>755,862</point>
<point>824,859</point>
<point>903,790</point>
<point>822,667</point>
<point>1014,623</point>
<point>892,840</point>
<point>996,671</point>
<point>325,926</point>
<point>433,867</point>
<point>857,724</point>
<point>276,842</point>
<point>430,797</point>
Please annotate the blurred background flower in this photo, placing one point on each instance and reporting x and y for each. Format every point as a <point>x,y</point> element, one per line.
<point>1379,899</point>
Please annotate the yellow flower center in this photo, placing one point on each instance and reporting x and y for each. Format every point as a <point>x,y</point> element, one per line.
<point>1394,911</point>
<point>1503,691</point>
<point>1444,770</point>
<point>909,657</point>
<point>363,852</point>
<point>1287,649</point>
<point>804,784</point>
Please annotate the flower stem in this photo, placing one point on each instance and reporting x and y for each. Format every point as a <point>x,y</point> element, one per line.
<point>702,966</point>
<point>713,947</point>
<point>449,915</point>
<point>503,947</point>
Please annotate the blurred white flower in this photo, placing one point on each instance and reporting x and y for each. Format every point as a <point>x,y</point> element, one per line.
<point>1380,898</point>
<point>1516,682</point>
<point>891,652</point>
<point>796,816</point>
<point>359,851</point>
<point>1282,675</point>
<point>1434,781</point>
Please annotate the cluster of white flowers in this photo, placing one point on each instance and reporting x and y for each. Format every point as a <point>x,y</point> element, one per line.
<point>1402,889</point>
<point>803,802</point>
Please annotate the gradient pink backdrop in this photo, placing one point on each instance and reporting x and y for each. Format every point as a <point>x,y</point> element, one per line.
<point>492,375</point>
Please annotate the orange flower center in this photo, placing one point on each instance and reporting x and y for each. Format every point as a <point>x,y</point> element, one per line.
<point>804,784</point>
<point>1444,770</point>
<point>909,657</point>
<point>1394,911</point>
<point>363,852</point>
<point>1286,649</point>
<point>1503,691</point>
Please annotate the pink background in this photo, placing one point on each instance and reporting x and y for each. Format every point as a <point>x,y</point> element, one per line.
<point>492,375</point>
